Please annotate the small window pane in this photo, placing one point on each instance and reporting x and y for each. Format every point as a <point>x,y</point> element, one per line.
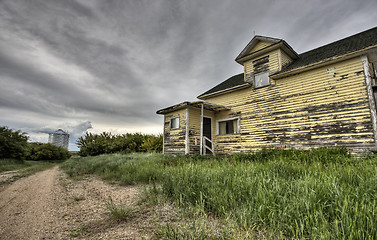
<point>174,123</point>
<point>262,80</point>
<point>228,127</point>
<point>222,128</point>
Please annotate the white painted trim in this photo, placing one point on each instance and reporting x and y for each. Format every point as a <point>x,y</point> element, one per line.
<point>187,148</point>
<point>228,119</point>
<point>163,137</point>
<point>225,90</point>
<point>201,129</point>
<point>372,102</point>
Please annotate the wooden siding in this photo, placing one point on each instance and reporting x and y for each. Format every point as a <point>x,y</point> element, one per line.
<point>272,65</point>
<point>194,127</point>
<point>174,139</point>
<point>260,45</point>
<point>194,130</point>
<point>313,108</point>
<point>285,59</point>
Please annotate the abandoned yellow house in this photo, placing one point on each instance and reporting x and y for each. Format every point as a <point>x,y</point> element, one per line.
<point>323,97</point>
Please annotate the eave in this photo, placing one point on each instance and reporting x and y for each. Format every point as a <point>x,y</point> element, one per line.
<point>281,44</point>
<point>228,90</point>
<point>321,63</point>
<point>197,104</point>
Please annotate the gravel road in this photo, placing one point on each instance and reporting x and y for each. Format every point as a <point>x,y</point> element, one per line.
<point>48,205</point>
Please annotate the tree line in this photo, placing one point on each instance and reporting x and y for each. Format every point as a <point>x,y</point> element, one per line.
<point>14,144</point>
<point>104,143</point>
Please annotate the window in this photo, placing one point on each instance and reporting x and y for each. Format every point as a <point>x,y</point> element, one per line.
<point>174,123</point>
<point>228,126</point>
<point>261,80</point>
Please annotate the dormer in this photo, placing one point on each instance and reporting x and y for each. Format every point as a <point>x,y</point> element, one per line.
<point>264,56</point>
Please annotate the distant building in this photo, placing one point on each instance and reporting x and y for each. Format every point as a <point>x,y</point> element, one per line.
<point>59,138</point>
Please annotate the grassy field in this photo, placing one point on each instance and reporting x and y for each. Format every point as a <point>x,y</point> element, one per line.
<point>318,194</point>
<point>24,168</point>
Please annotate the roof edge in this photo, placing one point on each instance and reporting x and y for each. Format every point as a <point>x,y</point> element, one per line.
<point>254,41</point>
<point>321,63</point>
<point>175,107</point>
<point>195,104</point>
<point>231,89</point>
<point>281,44</point>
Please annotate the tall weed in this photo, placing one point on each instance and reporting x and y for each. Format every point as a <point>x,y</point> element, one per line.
<point>319,194</point>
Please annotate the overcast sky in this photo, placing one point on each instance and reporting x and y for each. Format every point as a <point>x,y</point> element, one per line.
<point>108,65</point>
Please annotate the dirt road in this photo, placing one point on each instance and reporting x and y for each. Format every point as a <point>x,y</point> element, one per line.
<point>48,205</point>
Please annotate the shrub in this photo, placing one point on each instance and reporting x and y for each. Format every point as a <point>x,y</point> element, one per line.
<point>153,143</point>
<point>96,144</point>
<point>46,151</point>
<point>13,144</point>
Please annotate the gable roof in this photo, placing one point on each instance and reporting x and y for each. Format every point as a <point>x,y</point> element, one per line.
<point>350,44</point>
<point>231,83</point>
<point>254,42</point>
<point>347,45</point>
<point>275,44</point>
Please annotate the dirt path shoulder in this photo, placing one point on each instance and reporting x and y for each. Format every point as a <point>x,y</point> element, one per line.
<point>27,207</point>
<point>48,205</point>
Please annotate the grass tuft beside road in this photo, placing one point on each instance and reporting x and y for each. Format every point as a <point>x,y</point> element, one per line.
<point>22,168</point>
<point>318,194</point>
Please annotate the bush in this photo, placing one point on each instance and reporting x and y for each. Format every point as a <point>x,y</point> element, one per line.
<point>46,151</point>
<point>13,144</point>
<point>153,143</point>
<point>96,144</point>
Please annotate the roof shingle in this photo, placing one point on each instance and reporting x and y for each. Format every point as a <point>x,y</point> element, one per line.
<point>234,81</point>
<point>350,44</point>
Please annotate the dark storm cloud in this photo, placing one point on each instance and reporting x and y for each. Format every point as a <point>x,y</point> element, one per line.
<point>111,64</point>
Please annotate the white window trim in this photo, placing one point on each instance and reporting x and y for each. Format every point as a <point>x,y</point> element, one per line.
<point>228,119</point>
<point>269,80</point>
<point>171,122</point>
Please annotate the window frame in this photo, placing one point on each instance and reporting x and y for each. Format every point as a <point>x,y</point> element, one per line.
<point>238,129</point>
<point>171,121</point>
<point>259,74</point>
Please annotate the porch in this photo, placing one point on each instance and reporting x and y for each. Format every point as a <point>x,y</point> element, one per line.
<point>189,127</point>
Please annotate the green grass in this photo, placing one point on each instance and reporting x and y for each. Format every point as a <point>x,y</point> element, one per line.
<point>12,164</point>
<point>122,168</point>
<point>119,213</point>
<point>24,168</point>
<point>318,194</point>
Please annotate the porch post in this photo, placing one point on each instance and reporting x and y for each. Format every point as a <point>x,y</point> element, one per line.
<point>187,149</point>
<point>163,137</point>
<point>372,102</point>
<point>201,129</point>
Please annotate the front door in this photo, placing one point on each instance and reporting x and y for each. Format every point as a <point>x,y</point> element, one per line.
<point>207,130</point>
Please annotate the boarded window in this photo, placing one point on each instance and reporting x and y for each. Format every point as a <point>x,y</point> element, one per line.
<point>228,126</point>
<point>174,123</point>
<point>261,80</point>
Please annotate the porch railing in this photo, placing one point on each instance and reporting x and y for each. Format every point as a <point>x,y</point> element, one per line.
<point>196,141</point>
<point>210,147</point>
<point>208,144</point>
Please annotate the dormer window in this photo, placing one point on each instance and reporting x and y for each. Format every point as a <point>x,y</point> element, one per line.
<point>261,79</point>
